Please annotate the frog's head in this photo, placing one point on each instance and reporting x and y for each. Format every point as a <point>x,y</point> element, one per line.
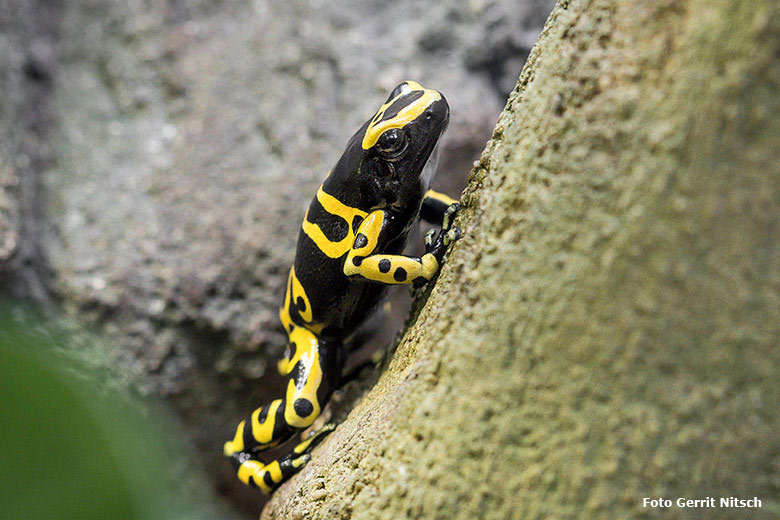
<point>387,155</point>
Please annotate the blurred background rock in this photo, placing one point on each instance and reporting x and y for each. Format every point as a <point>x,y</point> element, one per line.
<point>156,158</point>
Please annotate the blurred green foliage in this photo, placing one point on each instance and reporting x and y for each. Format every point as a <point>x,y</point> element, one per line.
<point>74,448</point>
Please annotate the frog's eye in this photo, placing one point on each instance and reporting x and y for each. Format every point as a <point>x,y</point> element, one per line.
<point>392,143</point>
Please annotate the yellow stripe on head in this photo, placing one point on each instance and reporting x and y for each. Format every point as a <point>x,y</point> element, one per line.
<point>407,114</point>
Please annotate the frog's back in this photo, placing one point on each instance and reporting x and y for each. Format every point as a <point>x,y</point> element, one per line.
<point>337,304</point>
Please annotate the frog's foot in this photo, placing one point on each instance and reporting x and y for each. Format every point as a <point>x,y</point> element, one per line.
<point>449,217</point>
<point>436,243</point>
<point>267,477</point>
<point>313,439</point>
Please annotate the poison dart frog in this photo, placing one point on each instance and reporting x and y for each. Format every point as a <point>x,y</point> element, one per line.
<point>350,247</point>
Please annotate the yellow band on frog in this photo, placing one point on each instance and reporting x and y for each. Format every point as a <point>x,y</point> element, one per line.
<point>335,207</point>
<point>407,114</point>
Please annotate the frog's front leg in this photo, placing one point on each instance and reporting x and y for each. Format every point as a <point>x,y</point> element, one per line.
<point>366,262</point>
<point>311,378</point>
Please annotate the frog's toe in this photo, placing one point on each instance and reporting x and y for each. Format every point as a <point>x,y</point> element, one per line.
<point>299,462</point>
<point>269,476</point>
<point>452,235</point>
<point>314,438</point>
<point>326,429</point>
<point>429,238</point>
<point>449,215</point>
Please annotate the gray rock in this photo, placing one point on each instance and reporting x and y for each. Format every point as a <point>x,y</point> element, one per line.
<point>190,137</point>
<point>27,62</point>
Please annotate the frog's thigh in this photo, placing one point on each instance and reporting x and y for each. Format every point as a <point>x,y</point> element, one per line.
<point>313,379</point>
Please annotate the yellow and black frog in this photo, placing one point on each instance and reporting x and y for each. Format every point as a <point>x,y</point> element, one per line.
<point>349,249</point>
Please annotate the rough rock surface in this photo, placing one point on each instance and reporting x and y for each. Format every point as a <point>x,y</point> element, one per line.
<point>28,30</point>
<point>163,202</point>
<point>607,328</point>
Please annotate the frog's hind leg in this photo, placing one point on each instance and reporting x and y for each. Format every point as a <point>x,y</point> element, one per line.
<point>268,477</point>
<point>312,371</point>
